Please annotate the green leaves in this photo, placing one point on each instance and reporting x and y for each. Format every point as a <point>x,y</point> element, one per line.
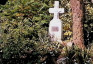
<point>36,19</point>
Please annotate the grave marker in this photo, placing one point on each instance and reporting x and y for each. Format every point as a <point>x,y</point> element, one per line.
<point>55,26</point>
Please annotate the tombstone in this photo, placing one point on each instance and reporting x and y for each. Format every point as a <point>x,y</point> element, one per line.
<point>92,1</point>
<point>55,26</point>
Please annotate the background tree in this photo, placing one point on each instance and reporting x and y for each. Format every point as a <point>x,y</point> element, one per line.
<point>78,16</point>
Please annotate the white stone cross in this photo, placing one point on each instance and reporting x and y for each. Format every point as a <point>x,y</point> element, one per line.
<point>55,26</point>
<point>56,10</point>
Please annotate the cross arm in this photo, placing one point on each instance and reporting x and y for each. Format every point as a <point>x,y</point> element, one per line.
<point>56,10</point>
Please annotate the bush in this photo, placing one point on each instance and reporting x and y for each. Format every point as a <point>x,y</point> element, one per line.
<point>23,32</point>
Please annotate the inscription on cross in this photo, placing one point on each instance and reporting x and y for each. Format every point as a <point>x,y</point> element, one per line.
<point>55,26</point>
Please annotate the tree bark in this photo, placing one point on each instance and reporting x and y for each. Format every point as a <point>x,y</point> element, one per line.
<point>77,12</point>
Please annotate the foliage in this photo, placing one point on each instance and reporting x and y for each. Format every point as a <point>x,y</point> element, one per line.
<point>24,30</point>
<point>75,55</point>
<point>23,24</point>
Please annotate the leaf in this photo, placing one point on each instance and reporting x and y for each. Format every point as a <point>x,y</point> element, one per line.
<point>36,18</point>
<point>19,14</point>
<point>68,33</point>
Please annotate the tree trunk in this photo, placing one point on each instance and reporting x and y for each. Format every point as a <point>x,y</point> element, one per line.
<point>77,12</point>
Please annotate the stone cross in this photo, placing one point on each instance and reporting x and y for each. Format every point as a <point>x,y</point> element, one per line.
<point>55,26</point>
<point>92,1</point>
